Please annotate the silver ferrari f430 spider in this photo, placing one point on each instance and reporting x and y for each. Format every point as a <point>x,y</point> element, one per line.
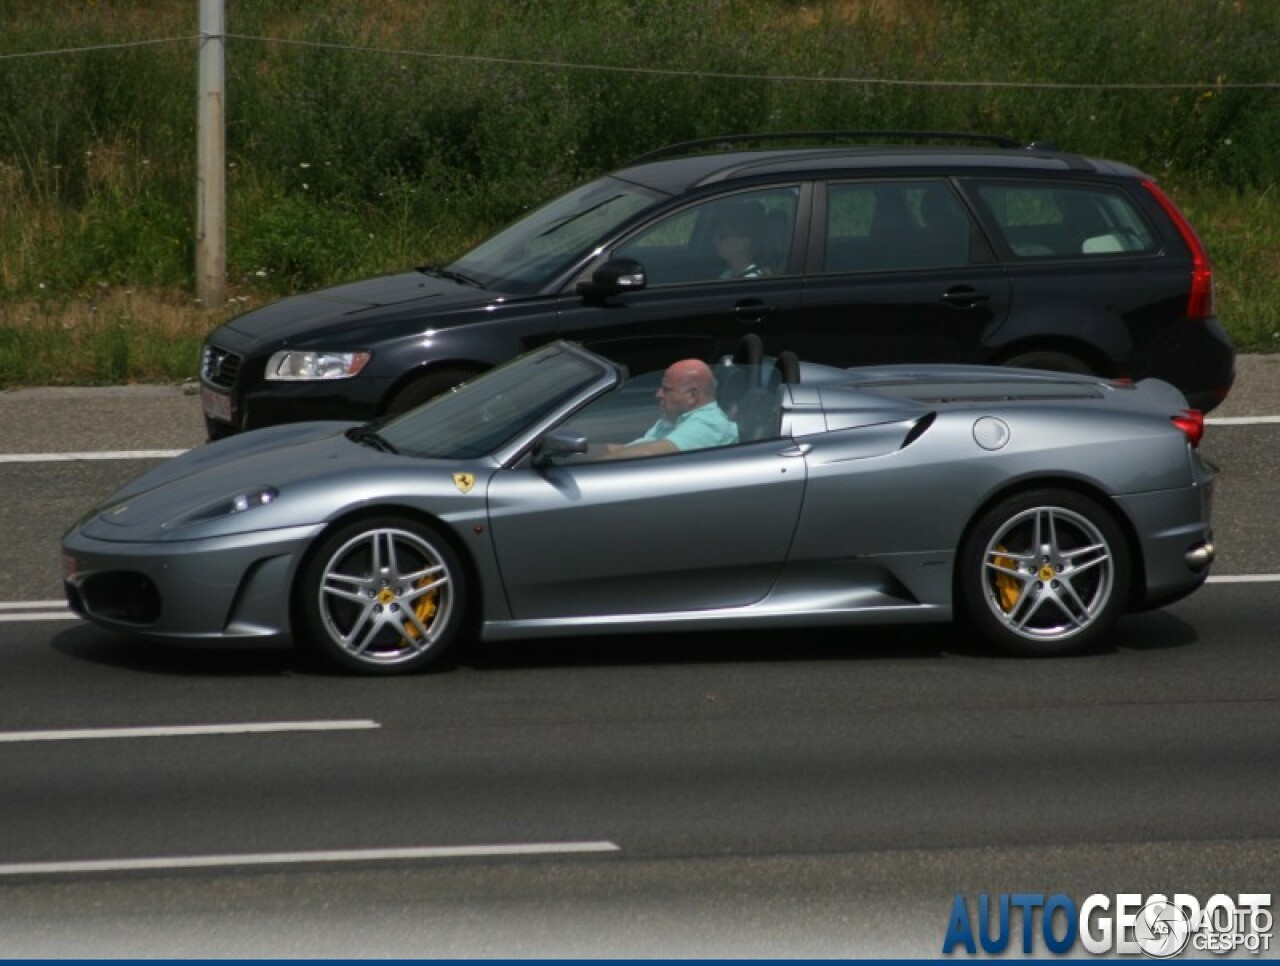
<point>1036,506</point>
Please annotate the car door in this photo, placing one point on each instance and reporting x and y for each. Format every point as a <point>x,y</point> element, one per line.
<point>683,532</point>
<point>694,303</point>
<point>899,271</point>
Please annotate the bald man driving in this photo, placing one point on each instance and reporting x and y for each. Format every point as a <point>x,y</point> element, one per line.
<point>689,416</point>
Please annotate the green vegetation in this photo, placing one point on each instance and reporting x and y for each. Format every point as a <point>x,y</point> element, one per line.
<point>363,137</point>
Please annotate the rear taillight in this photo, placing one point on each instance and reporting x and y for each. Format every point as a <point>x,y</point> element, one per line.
<point>1200,303</point>
<point>1191,422</point>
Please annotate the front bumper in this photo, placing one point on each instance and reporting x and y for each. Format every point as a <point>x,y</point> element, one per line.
<point>275,403</point>
<point>222,591</point>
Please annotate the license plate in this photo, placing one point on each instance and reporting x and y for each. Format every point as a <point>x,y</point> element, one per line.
<point>216,405</point>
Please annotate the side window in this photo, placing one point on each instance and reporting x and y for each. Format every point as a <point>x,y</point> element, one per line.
<point>745,235</point>
<point>1066,221</point>
<point>883,226</point>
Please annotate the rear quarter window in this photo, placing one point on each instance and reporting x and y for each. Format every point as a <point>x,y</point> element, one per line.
<point>1066,221</point>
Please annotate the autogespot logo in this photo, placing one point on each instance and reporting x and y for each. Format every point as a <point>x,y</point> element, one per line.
<point>1126,924</point>
<point>1162,929</point>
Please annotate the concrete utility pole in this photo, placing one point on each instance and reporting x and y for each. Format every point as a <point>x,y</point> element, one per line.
<point>211,174</point>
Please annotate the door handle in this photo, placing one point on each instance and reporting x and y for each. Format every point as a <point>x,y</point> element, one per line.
<point>799,449</point>
<point>964,297</point>
<point>752,310</point>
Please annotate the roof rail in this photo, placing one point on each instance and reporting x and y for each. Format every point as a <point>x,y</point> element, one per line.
<point>687,147</point>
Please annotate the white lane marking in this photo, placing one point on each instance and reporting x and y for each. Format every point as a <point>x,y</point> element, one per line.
<point>296,858</point>
<point>183,731</point>
<point>1240,420</point>
<point>136,454</point>
<point>48,610</point>
<point>1245,579</point>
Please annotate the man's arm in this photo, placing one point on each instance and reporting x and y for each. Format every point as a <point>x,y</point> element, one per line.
<point>627,451</point>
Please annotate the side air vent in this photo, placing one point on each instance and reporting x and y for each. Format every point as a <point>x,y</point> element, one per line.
<point>918,430</point>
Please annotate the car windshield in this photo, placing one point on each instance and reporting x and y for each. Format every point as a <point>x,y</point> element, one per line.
<point>524,257</point>
<point>480,416</point>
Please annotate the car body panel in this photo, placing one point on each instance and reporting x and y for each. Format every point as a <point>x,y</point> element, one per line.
<point>707,533</point>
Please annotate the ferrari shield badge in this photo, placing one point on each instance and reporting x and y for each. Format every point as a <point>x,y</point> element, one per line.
<point>464,481</point>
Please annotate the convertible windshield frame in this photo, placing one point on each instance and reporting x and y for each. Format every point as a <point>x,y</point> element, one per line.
<point>500,411</point>
<point>526,256</point>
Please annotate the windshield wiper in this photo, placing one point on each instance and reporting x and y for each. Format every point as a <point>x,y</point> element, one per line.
<point>450,274</point>
<point>368,436</point>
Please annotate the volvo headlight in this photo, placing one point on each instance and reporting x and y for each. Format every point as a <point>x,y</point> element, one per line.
<point>297,365</point>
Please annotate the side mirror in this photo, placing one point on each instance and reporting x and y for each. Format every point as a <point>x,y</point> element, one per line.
<point>614,277</point>
<point>559,442</point>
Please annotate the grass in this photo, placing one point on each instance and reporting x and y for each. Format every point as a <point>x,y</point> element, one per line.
<point>1242,232</point>
<point>115,337</point>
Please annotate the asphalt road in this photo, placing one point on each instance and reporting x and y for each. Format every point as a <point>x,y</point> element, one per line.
<point>814,794</point>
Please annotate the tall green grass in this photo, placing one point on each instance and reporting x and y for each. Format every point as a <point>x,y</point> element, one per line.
<point>367,136</point>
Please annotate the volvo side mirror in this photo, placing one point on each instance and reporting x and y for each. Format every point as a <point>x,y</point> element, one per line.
<point>614,277</point>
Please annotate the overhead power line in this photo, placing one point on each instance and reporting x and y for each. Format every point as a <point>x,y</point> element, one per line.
<point>1216,84</point>
<point>730,75</point>
<point>98,47</point>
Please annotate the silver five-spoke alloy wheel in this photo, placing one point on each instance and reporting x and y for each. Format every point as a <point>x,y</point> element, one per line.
<point>1049,573</point>
<point>1046,572</point>
<point>383,596</point>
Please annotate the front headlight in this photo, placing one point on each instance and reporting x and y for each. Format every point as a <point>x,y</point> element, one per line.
<point>242,502</point>
<point>304,366</point>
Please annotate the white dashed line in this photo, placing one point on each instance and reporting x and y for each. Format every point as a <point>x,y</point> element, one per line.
<point>36,610</point>
<point>185,731</point>
<point>314,858</point>
<point>1240,420</point>
<point>137,454</point>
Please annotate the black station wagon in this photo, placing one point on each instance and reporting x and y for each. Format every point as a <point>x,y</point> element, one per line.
<point>981,251</point>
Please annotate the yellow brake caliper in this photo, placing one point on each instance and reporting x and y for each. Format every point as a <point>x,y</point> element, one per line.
<point>424,609</point>
<point>1007,587</point>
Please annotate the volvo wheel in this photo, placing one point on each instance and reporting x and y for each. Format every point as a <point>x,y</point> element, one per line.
<point>426,388</point>
<point>1051,361</point>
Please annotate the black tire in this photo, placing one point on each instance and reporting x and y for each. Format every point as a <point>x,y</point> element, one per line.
<point>1051,360</point>
<point>1046,572</point>
<point>385,595</point>
<point>425,388</point>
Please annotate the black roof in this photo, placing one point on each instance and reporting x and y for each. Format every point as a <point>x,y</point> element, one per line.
<point>693,165</point>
